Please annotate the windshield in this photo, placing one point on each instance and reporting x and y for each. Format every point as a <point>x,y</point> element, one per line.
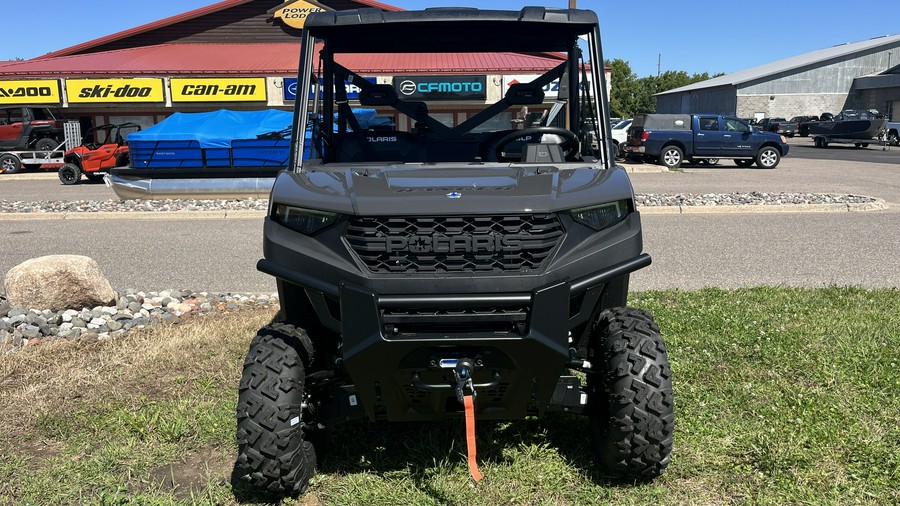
<point>466,106</point>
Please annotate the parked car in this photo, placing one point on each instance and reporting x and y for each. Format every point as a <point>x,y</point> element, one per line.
<point>778,126</point>
<point>620,135</point>
<point>803,124</point>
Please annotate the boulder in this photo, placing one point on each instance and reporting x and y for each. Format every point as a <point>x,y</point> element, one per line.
<point>58,282</point>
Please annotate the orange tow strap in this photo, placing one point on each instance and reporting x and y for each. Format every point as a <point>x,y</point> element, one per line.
<point>469,403</point>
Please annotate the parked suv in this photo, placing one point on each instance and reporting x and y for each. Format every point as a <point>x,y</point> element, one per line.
<point>29,128</point>
<point>465,270</point>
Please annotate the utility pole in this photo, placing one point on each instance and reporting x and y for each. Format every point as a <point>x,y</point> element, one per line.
<point>658,65</point>
<point>571,4</point>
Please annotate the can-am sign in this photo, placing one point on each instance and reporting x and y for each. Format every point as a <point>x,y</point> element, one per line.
<point>441,88</point>
<point>93,91</point>
<point>29,92</point>
<point>251,89</point>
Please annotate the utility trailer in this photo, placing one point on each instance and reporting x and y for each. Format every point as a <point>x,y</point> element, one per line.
<point>14,161</point>
<point>822,141</point>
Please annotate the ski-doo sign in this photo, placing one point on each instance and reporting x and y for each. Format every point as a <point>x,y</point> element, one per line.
<point>29,92</point>
<point>99,91</point>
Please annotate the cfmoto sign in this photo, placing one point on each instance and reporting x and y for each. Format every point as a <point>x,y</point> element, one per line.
<point>407,87</point>
<point>441,88</point>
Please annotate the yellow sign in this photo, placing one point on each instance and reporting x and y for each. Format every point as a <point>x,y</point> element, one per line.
<point>249,89</point>
<point>29,92</point>
<point>105,91</point>
<point>293,13</point>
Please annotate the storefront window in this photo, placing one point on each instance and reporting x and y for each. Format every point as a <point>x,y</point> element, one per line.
<point>444,118</point>
<point>144,121</point>
<point>501,121</point>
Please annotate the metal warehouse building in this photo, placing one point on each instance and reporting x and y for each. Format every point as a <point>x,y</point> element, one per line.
<point>859,75</point>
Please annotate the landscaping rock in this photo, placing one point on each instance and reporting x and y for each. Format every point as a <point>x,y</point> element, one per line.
<point>58,282</point>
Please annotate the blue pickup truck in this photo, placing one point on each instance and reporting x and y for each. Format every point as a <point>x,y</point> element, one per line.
<point>671,139</point>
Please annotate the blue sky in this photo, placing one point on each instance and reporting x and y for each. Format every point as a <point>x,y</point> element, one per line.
<point>692,35</point>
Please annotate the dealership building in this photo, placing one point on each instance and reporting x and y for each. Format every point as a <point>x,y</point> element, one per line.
<point>858,75</point>
<point>239,55</point>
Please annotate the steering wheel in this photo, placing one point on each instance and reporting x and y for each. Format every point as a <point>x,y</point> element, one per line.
<point>569,143</point>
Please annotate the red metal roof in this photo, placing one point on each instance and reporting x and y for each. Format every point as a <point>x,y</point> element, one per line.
<point>262,60</point>
<point>167,59</point>
<point>248,58</point>
<point>202,11</point>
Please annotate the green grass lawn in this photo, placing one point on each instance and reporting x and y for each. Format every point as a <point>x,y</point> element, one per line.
<point>783,396</point>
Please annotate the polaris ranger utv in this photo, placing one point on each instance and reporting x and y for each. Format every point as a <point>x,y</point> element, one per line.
<point>467,264</point>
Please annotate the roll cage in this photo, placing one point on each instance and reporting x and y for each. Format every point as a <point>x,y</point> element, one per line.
<point>335,134</point>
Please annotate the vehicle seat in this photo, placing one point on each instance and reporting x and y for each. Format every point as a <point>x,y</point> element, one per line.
<point>378,95</point>
<point>381,146</point>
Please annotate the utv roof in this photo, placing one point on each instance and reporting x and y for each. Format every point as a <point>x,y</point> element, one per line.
<point>451,29</point>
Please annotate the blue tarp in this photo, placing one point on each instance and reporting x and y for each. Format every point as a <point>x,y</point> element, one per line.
<point>216,129</point>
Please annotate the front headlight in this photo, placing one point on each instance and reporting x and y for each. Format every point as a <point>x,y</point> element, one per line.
<point>305,221</point>
<point>600,217</point>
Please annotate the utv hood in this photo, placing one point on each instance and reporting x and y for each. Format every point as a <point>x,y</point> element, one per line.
<point>443,189</point>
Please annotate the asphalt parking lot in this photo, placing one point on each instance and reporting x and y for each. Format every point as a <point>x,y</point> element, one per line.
<point>870,171</point>
<point>795,247</point>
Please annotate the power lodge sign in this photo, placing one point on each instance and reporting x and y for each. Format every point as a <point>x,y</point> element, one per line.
<point>293,13</point>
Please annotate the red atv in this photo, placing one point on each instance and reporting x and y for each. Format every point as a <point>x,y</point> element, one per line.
<point>102,148</point>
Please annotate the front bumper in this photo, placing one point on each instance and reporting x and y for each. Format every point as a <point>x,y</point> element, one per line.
<point>394,347</point>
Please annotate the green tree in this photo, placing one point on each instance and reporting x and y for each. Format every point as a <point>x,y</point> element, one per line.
<point>631,95</point>
<point>623,86</point>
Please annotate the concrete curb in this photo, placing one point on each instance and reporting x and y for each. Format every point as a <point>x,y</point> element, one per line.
<point>136,215</point>
<point>31,176</point>
<point>878,205</point>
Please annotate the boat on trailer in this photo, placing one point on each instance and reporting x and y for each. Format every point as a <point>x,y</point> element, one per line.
<point>850,124</point>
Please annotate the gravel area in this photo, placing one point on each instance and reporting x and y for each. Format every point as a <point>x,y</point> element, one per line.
<point>747,199</point>
<point>643,199</point>
<point>93,206</point>
<point>133,310</point>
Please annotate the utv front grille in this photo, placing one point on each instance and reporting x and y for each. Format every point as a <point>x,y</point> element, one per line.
<point>454,243</point>
<point>496,321</point>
